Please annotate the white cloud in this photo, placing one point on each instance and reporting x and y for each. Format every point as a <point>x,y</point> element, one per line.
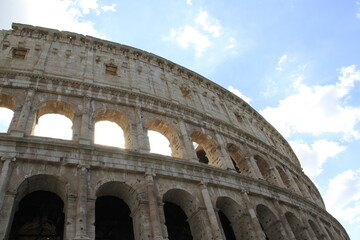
<point>282,60</point>
<point>58,14</point>
<point>189,2</point>
<point>203,33</point>
<point>208,24</point>
<point>318,109</point>
<point>239,94</point>
<point>189,35</point>
<point>342,197</point>
<point>313,156</point>
<point>111,8</point>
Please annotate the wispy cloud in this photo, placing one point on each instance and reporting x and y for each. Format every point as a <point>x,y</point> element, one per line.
<point>189,35</point>
<point>318,109</point>
<point>59,14</point>
<point>342,197</point>
<point>239,94</point>
<point>203,33</point>
<point>282,60</point>
<point>313,156</point>
<point>208,24</point>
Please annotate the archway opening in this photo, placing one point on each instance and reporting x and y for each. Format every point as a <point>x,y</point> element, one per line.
<point>226,225</point>
<point>159,143</point>
<point>54,126</point>
<point>203,143</point>
<point>109,134</point>
<point>176,222</point>
<point>112,219</point>
<point>6,116</point>
<point>39,217</point>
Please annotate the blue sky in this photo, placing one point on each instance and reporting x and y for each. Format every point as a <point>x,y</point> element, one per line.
<point>297,62</point>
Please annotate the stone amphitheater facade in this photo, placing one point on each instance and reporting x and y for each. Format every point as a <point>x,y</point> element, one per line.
<point>241,181</point>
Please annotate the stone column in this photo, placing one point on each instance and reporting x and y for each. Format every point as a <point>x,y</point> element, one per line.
<point>84,133</point>
<point>153,207</point>
<point>189,151</point>
<point>5,215</point>
<point>4,176</point>
<point>276,174</point>
<point>20,128</point>
<point>292,181</point>
<point>258,232</point>
<point>224,155</point>
<point>324,234</point>
<point>285,224</point>
<point>309,233</point>
<point>81,205</point>
<point>141,222</point>
<point>142,138</point>
<point>255,167</point>
<point>70,217</point>
<point>210,212</point>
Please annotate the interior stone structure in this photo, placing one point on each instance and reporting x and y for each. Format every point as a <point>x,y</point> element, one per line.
<point>231,175</point>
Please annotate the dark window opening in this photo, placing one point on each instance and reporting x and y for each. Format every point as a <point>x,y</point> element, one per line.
<point>226,225</point>
<point>19,53</point>
<point>111,69</point>
<point>176,222</point>
<point>201,154</point>
<point>235,165</point>
<point>112,219</point>
<point>39,217</point>
<point>263,229</point>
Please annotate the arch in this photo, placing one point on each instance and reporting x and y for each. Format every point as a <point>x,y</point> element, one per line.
<point>234,222</point>
<point>269,223</point>
<point>240,160</point>
<point>120,190</point>
<point>315,229</point>
<point>61,109</point>
<point>182,200</point>
<point>206,145</point>
<point>265,169</point>
<point>7,101</point>
<point>40,215</point>
<point>118,118</point>
<point>43,182</point>
<point>7,105</point>
<point>54,185</point>
<point>329,233</point>
<point>296,226</point>
<point>169,132</point>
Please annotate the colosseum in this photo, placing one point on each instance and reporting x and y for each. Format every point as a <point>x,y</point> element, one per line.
<point>230,174</point>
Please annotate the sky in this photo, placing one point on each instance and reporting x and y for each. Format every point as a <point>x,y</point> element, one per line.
<point>297,62</point>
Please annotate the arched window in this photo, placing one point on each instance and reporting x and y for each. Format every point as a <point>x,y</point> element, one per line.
<point>54,119</point>
<point>241,164</point>
<point>164,139</point>
<point>109,134</point>
<point>7,105</point>
<point>205,149</point>
<point>112,128</point>
<point>39,216</point>
<point>6,116</point>
<point>265,170</point>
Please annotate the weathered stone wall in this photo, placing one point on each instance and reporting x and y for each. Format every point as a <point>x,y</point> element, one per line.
<point>88,80</point>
